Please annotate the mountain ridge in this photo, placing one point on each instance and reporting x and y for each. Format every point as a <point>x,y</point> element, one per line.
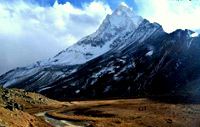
<point>81,52</point>
<point>141,60</point>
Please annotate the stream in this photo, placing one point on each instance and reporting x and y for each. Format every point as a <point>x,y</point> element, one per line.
<point>59,123</point>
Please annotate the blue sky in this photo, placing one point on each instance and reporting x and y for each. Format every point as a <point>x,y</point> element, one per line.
<point>113,3</point>
<point>78,3</point>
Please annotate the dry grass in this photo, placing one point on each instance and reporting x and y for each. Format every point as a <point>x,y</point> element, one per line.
<point>18,118</point>
<point>131,113</point>
<point>31,103</point>
<point>105,113</point>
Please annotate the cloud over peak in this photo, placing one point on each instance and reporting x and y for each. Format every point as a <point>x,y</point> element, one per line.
<point>171,14</point>
<point>30,32</point>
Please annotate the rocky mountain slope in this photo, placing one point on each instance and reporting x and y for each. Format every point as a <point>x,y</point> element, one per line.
<point>127,56</point>
<point>163,64</point>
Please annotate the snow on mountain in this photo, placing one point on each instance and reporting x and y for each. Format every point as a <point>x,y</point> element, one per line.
<point>115,27</point>
<point>121,22</point>
<point>127,56</point>
<point>194,34</point>
<point>162,64</point>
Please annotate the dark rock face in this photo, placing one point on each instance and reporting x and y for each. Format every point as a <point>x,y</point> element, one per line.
<point>13,105</point>
<point>161,65</point>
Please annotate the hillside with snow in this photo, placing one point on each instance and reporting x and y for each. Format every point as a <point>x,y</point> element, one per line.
<point>127,56</point>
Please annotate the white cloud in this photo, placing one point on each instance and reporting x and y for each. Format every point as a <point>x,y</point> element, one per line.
<point>30,32</point>
<point>171,14</point>
<point>124,4</point>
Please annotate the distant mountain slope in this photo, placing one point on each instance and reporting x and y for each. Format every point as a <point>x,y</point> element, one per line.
<point>163,64</point>
<point>127,56</point>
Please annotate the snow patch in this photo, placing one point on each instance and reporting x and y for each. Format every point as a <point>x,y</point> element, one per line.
<point>77,91</point>
<point>45,88</point>
<point>150,53</point>
<point>124,4</point>
<point>194,35</point>
<point>119,13</point>
<point>108,70</point>
<point>107,89</point>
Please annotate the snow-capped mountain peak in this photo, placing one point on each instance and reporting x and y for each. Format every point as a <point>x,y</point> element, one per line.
<point>125,12</point>
<point>122,21</point>
<point>128,56</point>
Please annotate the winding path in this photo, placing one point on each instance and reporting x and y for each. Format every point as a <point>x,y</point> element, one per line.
<point>57,122</point>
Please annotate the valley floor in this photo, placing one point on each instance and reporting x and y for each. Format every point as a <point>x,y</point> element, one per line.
<point>24,109</point>
<point>125,113</point>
